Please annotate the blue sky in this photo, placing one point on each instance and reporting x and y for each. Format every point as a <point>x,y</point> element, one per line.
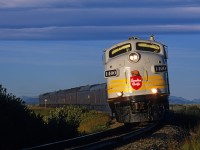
<point>57,44</point>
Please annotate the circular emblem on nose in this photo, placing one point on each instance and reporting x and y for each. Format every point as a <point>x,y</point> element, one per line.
<point>136,80</point>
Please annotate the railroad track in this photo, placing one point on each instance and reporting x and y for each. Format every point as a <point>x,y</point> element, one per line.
<point>107,139</point>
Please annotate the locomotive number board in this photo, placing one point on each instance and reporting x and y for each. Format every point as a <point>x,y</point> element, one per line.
<point>160,68</point>
<point>111,73</point>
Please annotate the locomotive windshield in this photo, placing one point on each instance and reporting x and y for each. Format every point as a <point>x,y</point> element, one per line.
<point>120,50</point>
<point>143,46</point>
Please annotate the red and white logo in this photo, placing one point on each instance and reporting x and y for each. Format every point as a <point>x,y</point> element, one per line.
<point>136,80</point>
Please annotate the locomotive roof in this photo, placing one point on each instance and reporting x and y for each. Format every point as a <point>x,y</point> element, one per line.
<point>134,39</point>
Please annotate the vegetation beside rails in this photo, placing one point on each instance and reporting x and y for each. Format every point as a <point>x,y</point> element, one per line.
<point>22,126</point>
<point>86,121</point>
<point>188,117</point>
<point>94,121</point>
<point>44,112</point>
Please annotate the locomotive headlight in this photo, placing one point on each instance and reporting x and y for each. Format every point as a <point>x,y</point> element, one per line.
<point>135,57</point>
<point>119,94</point>
<point>154,90</point>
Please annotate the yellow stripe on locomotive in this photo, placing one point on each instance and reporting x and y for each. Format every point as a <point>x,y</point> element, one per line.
<point>117,85</point>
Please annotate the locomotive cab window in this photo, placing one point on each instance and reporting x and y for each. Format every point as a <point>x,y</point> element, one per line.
<point>120,50</point>
<point>150,47</point>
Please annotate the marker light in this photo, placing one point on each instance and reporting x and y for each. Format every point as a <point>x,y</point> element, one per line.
<point>119,94</point>
<point>134,57</point>
<point>154,90</point>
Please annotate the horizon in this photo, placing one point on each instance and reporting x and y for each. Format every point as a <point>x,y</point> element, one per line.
<point>171,96</point>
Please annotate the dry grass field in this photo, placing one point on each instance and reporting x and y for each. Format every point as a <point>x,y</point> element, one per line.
<point>188,117</point>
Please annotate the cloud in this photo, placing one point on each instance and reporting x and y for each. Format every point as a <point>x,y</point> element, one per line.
<point>86,19</point>
<point>93,32</point>
<point>96,3</point>
<point>25,3</point>
<point>45,17</point>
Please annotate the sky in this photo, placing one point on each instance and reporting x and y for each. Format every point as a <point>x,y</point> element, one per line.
<point>50,45</point>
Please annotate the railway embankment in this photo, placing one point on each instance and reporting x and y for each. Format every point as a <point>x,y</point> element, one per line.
<point>180,132</point>
<point>169,137</point>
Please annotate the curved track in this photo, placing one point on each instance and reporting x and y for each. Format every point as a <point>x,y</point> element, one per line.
<point>109,139</point>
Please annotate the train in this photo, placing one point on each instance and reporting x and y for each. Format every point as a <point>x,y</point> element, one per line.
<point>90,96</point>
<point>136,73</point>
<point>136,88</point>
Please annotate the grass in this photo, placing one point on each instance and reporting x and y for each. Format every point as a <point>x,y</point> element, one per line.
<point>41,110</point>
<point>188,117</point>
<point>91,121</point>
<point>94,121</point>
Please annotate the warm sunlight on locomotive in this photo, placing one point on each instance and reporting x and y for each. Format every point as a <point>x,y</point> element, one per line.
<point>137,80</point>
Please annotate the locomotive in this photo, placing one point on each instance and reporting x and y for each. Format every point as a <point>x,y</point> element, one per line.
<point>137,80</point>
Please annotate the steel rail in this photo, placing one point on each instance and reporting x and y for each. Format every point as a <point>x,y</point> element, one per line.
<point>116,141</point>
<point>98,140</point>
<point>73,142</point>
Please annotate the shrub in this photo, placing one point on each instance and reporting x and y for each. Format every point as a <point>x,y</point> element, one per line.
<point>64,121</point>
<point>19,125</point>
